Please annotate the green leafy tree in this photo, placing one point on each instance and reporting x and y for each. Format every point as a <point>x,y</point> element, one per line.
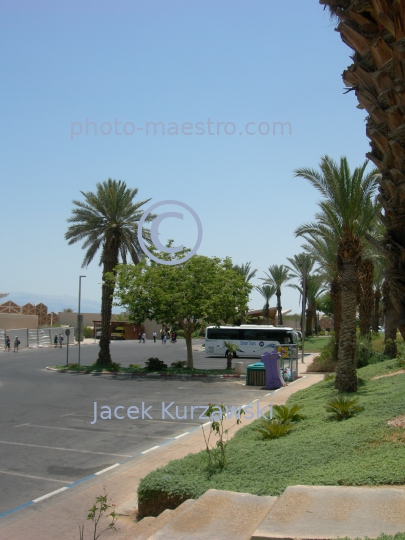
<point>201,290</point>
<point>324,303</point>
<point>107,221</point>
<point>277,276</point>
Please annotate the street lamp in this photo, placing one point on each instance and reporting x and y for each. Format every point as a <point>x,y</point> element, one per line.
<point>79,317</point>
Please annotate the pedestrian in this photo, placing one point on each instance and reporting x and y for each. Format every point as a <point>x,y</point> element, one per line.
<point>55,340</point>
<point>16,344</point>
<point>60,340</point>
<point>164,338</point>
<point>140,336</point>
<point>154,337</point>
<point>143,337</point>
<point>7,347</point>
<point>161,337</point>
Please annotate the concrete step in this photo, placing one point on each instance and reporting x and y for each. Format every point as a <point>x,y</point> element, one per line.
<point>217,515</point>
<point>328,512</point>
<point>142,530</point>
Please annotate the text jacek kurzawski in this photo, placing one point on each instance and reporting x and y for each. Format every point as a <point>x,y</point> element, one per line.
<point>171,411</point>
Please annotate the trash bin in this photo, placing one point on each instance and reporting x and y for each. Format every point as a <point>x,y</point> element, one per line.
<point>256,374</point>
<point>271,363</point>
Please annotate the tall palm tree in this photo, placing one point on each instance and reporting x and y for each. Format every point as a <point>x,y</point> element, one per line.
<point>375,31</point>
<point>277,276</point>
<point>301,267</point>
<point>245,271</point>
<point>349,210</point>
<point>267,291</point>
<point>366,300</point>
<point>107,220</point>
<point>314,289</point>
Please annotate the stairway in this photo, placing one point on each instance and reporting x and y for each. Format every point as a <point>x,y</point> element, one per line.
<point>301,512</point>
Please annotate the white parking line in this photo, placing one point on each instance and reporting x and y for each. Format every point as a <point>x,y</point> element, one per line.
<point>49,494</point>
<point>35,477</point>
<point>182,435</point>
<point>150,449</point>
<point>107,469</point>
<point>64,449</point>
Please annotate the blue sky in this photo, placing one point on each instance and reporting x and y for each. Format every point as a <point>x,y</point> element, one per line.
<point>134,62</point>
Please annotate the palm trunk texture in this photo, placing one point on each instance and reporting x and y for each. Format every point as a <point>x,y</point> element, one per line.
<point>335,293</point>
<point>349,251</point>
<point>390,322</point>
<point>279,308</point>
<point>366,272</point>
<point>375,30</point>
<point>110,261</point>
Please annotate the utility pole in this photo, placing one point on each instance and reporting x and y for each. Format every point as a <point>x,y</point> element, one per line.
<point>79,317</point>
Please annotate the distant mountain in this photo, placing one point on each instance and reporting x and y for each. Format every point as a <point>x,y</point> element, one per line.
<point>54,302</point>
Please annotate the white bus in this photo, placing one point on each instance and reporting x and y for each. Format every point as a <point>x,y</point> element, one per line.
<point>251,340</point>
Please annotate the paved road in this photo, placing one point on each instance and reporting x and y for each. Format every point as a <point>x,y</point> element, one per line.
<point>46,436</point>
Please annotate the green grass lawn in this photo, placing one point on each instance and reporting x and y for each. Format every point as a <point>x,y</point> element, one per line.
<point>362,450</point>
<point>315,344</point>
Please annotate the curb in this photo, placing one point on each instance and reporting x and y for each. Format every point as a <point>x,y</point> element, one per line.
<point>150,375</point>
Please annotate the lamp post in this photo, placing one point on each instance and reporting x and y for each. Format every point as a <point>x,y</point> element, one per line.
<point>79,320</point>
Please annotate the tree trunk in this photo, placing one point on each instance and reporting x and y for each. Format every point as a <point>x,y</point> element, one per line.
<point>376,314</point>
<point>391,318</point>
<point>110,261</point>
<point>279,308</point>
<point>346,377</point>
<point>375,30</point>
<point>308,322</point>
<point>189,345</point>
<point>366,273</point>
<point>335,293</point>
<point>229,358</point>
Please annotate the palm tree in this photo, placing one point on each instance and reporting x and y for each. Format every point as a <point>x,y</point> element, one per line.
<point>267,291</point>
<point>375,31</point>
<point>277,276</point>
<point>107,220</point>
<point>314,288</point>
<point>349,210</point>
<point>245,271</point>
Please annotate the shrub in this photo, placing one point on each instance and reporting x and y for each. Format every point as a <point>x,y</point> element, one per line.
<point>329,377</point>
<point>135,366</point>
<point>154,364</point>
<point>87,332</point>
<point>288,414</point>
<point>343,407</point>
<point>179,364</point>
<point>75,367</point>
<point>274,429</point>
<point>325,361</point>
<point>113,366</point>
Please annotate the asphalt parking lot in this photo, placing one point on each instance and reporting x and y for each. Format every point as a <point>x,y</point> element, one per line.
<point>47,438</point>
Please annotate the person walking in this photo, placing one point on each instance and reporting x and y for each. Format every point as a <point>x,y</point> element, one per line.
<point>55,340</point>
<point>143,337</point>
<point>154,337</point>
<point>60,340</point>
<point>16,344</point>
<point>7,347</point>
<point>161,337</point>
<point>164,338</point>
<point>140,336</point>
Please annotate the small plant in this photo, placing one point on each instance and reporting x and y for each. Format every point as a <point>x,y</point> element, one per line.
<point>135,366</point>
<point>96,513</point>
<point>343,407</point>
<point>179,364</point>
<point>329,377</point>
<point>231,350</point>
<point>154,364</point>
<point>75,367</point>
<point>288,415</point>
<point>218,413</point>
<point>274,429</point>
<point>113,366</point>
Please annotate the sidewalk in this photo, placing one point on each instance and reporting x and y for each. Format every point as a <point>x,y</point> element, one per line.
<point>59,516</point>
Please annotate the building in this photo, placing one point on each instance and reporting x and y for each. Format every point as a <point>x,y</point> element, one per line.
<point>27,316</point>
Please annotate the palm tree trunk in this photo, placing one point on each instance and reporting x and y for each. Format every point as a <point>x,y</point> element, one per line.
<point>376,314</point>
<point>366,272</point>
<point>346,377</point>
<point>391,319</point>
<point>376,32</point>
<point>335,293</point>
<point>279,308</point>
<point>110,261</point>
<point>308,322</point>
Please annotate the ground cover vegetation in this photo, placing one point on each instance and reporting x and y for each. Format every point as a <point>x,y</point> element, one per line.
<point>177,368</point>
<point>318,450</point>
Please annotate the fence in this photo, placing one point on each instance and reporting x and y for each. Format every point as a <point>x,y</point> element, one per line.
<point>40,337</point>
